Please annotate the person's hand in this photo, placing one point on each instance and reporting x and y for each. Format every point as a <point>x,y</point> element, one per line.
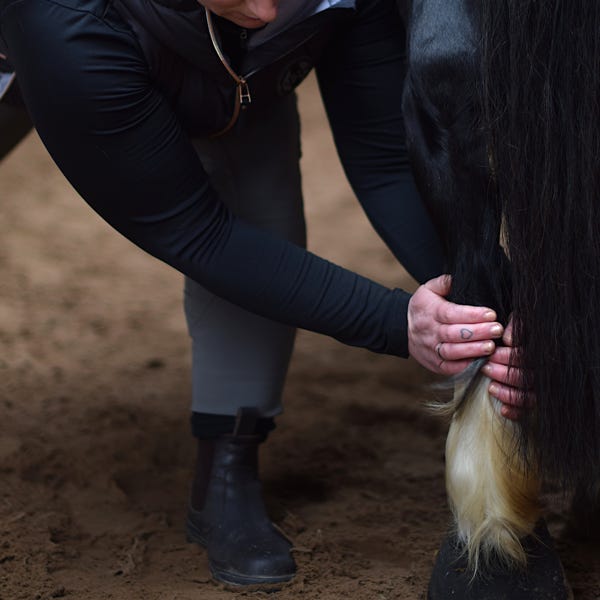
<point>445,337</point>
<point>508,383</point>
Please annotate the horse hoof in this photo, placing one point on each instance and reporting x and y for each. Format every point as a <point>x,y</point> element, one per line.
<point>542,579</point>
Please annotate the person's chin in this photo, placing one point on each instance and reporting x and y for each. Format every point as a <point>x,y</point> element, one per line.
<point>248,22</point>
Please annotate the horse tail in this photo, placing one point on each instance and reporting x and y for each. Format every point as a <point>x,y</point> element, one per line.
<point>541,115</point>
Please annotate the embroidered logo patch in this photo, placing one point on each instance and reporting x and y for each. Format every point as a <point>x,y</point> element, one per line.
<point>293,74</point>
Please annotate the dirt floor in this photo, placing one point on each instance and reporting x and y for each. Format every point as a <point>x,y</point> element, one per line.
<point>95,451</point>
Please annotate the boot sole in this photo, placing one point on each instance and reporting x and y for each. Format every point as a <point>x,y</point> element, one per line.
<point>232,578</point>
<point>237,580</point>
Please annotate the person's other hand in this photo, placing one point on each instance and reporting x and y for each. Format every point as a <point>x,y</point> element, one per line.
<point>508,382</point>
<point>444,337</point>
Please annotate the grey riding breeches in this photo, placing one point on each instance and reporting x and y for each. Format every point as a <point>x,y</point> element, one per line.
<point>238,358</point>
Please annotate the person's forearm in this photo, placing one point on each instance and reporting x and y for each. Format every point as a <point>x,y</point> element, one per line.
<point>361,76</point>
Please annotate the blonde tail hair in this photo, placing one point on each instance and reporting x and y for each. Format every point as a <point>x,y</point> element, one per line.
<point>494,497</point>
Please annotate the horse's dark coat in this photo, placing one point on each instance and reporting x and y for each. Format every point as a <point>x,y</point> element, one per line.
<point>501,106</point>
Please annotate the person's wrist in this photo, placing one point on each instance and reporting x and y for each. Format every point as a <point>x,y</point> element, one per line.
<point>397,319</point>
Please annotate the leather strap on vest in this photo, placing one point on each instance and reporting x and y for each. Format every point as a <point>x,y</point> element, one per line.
<point>243,98</point>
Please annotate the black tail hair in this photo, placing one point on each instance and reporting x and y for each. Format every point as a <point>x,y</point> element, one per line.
<point>540,97</point>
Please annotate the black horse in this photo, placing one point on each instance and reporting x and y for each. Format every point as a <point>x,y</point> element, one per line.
<point>501,107</point>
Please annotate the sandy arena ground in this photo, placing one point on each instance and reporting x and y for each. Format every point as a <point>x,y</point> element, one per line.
<point>95,453</point>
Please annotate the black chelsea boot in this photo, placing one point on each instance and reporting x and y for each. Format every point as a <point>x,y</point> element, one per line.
<point>227,514</point>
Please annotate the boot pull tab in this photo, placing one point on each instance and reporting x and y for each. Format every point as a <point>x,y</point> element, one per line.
<point>245,421</point>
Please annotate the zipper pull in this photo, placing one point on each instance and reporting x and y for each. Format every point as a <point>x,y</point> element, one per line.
<point>244,91</point>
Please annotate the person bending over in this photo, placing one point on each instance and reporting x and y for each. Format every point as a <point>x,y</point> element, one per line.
<point>177,122</point>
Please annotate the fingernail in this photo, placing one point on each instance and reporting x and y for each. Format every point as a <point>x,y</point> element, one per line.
<point>494,390</point>
<point>487,369</point>
<point>496,329</point>
<point>490,315</point>
<point>488,347</point>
